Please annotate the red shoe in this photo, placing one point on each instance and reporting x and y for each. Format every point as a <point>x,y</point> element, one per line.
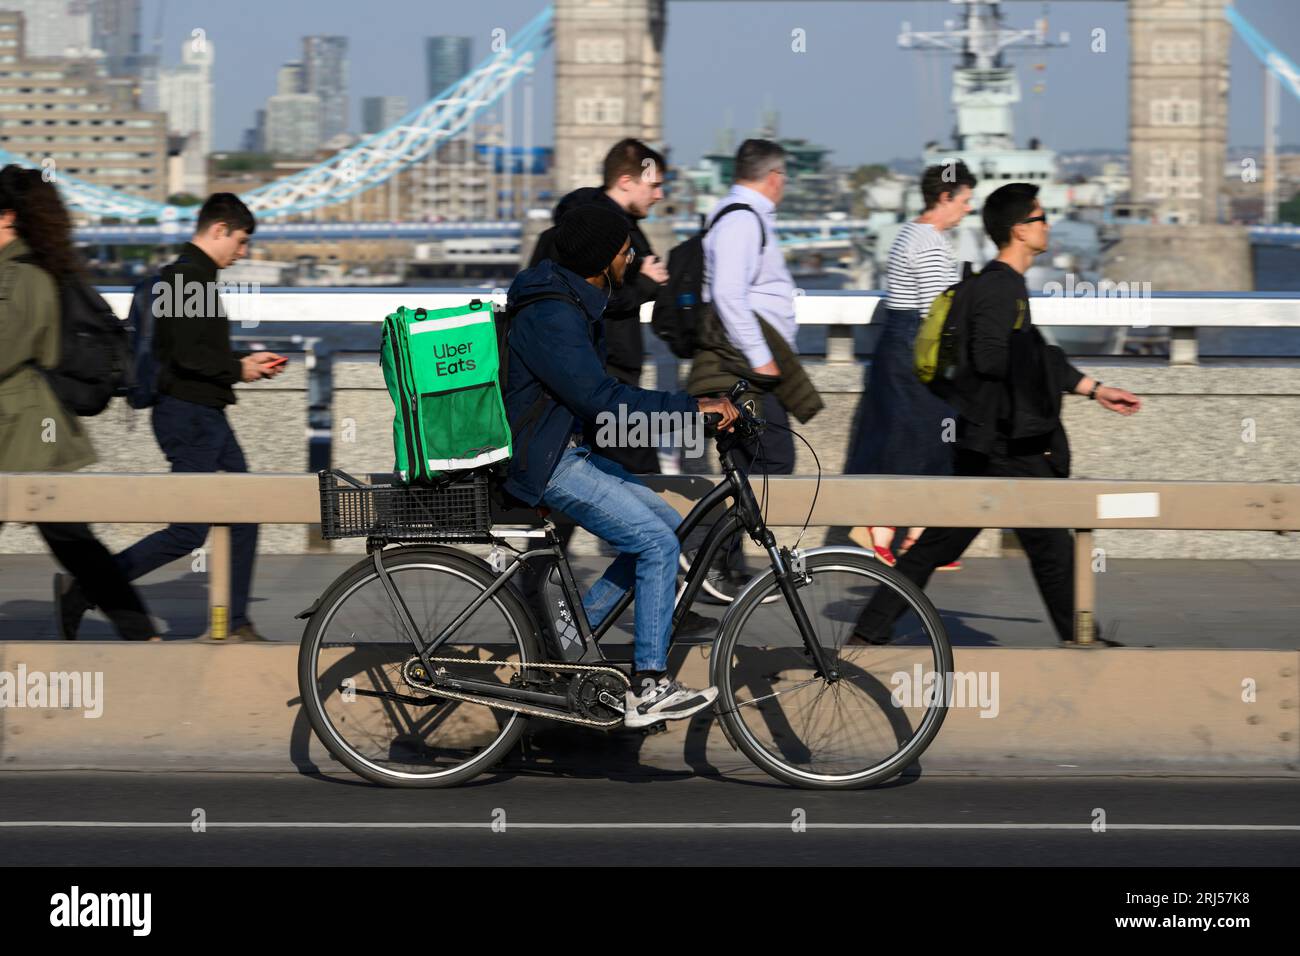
<point>955,566</point>
<point>861,536</point>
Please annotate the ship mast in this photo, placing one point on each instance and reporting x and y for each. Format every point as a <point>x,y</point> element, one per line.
<point>984,87</point>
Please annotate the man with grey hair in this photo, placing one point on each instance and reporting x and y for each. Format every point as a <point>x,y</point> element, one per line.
<point>747,329</point>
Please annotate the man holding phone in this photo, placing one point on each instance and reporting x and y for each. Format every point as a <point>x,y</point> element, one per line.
<point>197,369</point>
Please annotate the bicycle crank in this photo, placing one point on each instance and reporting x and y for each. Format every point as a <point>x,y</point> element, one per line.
<point>590,693</point>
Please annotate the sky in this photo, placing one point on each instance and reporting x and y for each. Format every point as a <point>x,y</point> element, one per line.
<point>725,61</point>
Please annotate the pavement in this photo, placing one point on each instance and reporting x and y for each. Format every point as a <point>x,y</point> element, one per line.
<point>530,817</point>
<point>991,602</point>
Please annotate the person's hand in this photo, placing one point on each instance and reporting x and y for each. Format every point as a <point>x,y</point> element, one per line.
<point>260,365</point>
<point>1118,400</point>
<point>652,267</point>
<point>771,368</point>
<point>729,412</point>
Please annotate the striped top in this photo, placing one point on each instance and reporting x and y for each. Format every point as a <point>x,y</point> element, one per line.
<point>921,265</point>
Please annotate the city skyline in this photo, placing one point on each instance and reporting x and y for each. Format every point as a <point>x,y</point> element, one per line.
<point>1083,104</point>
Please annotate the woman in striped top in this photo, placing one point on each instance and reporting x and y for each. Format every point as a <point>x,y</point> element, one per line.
<point>902,427</point>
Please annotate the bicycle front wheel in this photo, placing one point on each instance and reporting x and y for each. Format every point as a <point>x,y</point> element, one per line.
<point>857,731</point>
<point>353,678</point>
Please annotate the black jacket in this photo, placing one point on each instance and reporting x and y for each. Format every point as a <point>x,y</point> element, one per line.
<point>623,313</point>
<point>1011,403</point>
<point>192,334</point>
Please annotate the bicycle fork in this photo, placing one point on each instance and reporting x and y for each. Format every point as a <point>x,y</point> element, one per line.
<point>787,577</point>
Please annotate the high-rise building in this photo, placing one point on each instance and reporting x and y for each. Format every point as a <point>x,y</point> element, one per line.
<point>253,139</point>
<point>446,61</point>
<point>115,29</point>
<point>61,114</point>
<point>293,124</point>
<point>325,74</point>
<point>54,27</point>
<point>381,112</point>
<point>185,95</point>
<point>289,79</point>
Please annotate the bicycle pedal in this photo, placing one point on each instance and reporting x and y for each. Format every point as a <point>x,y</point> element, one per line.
<point>660,728</point>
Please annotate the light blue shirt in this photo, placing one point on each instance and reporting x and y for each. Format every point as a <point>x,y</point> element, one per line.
<point>740,280</point>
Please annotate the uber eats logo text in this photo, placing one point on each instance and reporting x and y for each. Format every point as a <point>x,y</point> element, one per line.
<point>452,358</point>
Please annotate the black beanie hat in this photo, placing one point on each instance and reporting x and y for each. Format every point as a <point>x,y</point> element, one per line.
<point>588,237</point>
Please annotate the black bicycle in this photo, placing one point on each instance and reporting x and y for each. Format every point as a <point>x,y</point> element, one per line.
<point>422,664</point>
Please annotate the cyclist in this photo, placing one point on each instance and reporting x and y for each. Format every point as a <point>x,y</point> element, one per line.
<point>556,387</point>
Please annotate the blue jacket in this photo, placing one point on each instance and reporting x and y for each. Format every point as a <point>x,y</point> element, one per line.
<point>556,381</point>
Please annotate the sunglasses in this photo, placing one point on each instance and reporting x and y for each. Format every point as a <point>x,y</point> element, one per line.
<point>1042,219</point>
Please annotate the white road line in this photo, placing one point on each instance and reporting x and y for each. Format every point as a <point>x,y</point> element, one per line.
<point>487,825</point>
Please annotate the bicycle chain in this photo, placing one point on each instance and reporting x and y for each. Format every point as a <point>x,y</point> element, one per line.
<point>523,708</point>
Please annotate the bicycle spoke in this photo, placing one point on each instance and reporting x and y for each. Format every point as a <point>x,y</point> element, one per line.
<point>355,649</point>
<point>756,700</point>
<point>847,730</point>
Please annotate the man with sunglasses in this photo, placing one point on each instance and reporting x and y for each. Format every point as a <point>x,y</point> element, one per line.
<point>1009,413</point>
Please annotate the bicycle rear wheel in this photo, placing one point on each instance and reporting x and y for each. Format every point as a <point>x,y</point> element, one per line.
<point>351,670</point>
<point>864,728</point>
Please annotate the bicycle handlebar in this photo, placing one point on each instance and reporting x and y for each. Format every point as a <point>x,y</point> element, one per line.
<point>748,426</point>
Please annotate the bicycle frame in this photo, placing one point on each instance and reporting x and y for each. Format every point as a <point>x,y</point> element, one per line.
<point>743,514</point>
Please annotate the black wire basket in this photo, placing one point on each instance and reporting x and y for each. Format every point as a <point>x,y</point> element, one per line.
<point>388,509</point>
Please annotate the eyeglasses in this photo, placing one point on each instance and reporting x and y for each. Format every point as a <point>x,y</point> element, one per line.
<point>1042,219</point>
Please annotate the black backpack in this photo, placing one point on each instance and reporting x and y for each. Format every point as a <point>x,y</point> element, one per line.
<point>141,322</point>
<point>674,318</point>
<point>94,349</point>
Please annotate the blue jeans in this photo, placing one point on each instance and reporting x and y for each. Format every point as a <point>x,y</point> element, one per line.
<point>196,438</point>
<point>611,503</point>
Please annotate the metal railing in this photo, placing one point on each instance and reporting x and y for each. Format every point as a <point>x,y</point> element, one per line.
<point>1081,504</point>
<point>1122,306</point>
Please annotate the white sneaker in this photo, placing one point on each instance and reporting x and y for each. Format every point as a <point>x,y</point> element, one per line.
<point>664,699</point>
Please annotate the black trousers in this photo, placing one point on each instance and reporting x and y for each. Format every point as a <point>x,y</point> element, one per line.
<point>776,443</point>
<point>104,585</point>
<point>1050,552</point>
<point>772,453</point>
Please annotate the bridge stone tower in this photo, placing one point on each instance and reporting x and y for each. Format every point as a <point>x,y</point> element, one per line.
<point>1178,106</point>
<point>1178,128</point>
<point>608,82</point>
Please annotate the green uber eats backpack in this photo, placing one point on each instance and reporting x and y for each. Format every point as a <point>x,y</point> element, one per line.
<point>442,369</point>
<point>941,351</point>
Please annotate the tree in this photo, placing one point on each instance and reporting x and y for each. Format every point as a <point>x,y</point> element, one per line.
<point>867,174</point>
<point>1289,211</point>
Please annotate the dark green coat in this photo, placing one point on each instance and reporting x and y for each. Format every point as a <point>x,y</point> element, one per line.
<point>36,432</point>
<point>718,365</point>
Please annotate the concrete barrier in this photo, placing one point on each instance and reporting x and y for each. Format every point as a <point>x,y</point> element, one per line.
<point>212,707</point>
